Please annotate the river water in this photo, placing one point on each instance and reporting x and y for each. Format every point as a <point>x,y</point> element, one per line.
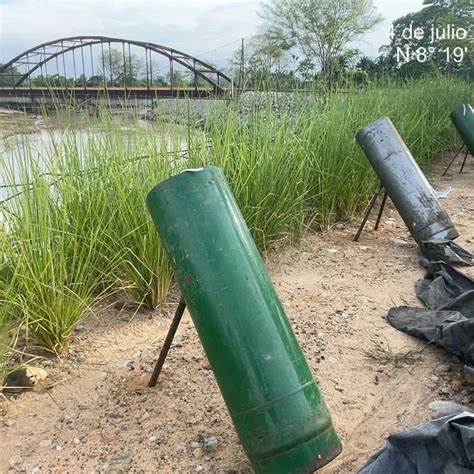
<point>31,138</point>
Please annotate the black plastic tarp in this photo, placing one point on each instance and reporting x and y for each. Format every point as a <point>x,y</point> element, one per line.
<point>448,329</point>
<point>448,319</point>
<point>445,288</point>
<point>441,250</point>
<point>445,445</point>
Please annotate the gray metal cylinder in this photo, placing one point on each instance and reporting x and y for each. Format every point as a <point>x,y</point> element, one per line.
<point>404,182</point>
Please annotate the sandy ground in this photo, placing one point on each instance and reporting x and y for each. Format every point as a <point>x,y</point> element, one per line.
<point>99,416</point>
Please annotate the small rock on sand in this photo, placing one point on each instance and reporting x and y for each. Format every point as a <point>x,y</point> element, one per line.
<point>442,369</point>
<point>444,408</point>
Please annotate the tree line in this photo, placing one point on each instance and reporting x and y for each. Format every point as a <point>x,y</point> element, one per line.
<point>308,41</point>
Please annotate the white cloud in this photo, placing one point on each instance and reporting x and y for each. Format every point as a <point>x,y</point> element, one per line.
<point>193,26</point>
<point>390,10</point>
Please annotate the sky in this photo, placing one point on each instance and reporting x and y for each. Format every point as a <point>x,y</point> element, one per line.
<point>211,30</point>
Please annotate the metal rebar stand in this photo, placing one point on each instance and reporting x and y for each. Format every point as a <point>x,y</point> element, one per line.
<point>369,210</point>
<point>168,341</point>
<point>382,207</point>
<point>454,159</point>
<point>464,161</point>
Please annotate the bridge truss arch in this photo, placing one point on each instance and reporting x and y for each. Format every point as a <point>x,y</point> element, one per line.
<point>22,67</point>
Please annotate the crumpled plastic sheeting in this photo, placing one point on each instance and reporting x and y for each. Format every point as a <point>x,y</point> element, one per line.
<point>448,329</point>
<point>442,250</point>
<point>444,288</point>
<point>445,445</point>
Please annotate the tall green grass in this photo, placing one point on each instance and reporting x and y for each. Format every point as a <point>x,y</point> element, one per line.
<point>81,231</point>
<point>336,180</point>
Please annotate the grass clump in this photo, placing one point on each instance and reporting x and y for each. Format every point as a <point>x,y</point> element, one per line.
<point>382,353</point>
<point>311,150</point>
<point>4,347</point>
<point>79,231</point>
<point>53,265</point>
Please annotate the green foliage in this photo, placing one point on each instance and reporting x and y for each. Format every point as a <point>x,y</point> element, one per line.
<point>266,175</point>
<point>4,347</point>
<point>9,77</point>
<point>348,78</point>
<point>373,68</point>
<point>75,240</point>
<point>319,29</point>
<point>119,68</point>
<point>54,278</point>
<point>439,16</point>
<point>306,167</point>
<point>82,231</point>
<point>178,79</point>
<point>263,64</point>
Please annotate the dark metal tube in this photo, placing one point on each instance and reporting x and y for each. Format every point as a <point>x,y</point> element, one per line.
<point>404,182</point>
<point>463,120</point>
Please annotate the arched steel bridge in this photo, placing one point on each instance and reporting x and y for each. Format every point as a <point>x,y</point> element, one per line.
<point>113,75</point>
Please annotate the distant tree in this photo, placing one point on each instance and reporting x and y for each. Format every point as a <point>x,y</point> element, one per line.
<point>152,77</point>
<point>39,81</point>
<point>265,64</point>
<point>350,77</point>
<point>116,67</point>
<point>81,81</point>
<point>374,68</point>
<point>461,14</point>
<point>197,80</point>
<point>319,29</point>
<point>95,81</point>
<point>178,79</point>
<point>306,69</point>
<point>347,73</point>
<point>403,54</point>
<point>9,77</point>
<point>449,3</point>
<point>160,81</point>
<point>348,59</point>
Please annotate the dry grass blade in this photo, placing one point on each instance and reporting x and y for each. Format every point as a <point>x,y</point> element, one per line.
<point>382,353</point>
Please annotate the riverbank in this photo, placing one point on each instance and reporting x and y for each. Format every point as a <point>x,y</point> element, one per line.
<point>94,412</point>
<point>13,122</point>
<point>77,237</point>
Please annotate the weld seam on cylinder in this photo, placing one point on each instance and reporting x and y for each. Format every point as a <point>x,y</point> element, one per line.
<point>297,446</point>
<point>421,229</point>
<point>276,400</point>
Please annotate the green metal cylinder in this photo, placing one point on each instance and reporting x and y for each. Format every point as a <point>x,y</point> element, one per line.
<point>279,414</point>
<point>463,119</point>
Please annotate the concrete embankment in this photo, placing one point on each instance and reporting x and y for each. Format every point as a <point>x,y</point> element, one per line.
<point>197,110</point>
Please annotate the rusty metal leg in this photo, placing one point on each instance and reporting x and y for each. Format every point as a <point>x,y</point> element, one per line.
<point>167,344</point>
<point>367,214</point>
<point>453,160</point>
<point>464,161</point>
<point>382,207</point>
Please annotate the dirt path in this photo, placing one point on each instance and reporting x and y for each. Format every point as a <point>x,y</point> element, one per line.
<point>100,417</point>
